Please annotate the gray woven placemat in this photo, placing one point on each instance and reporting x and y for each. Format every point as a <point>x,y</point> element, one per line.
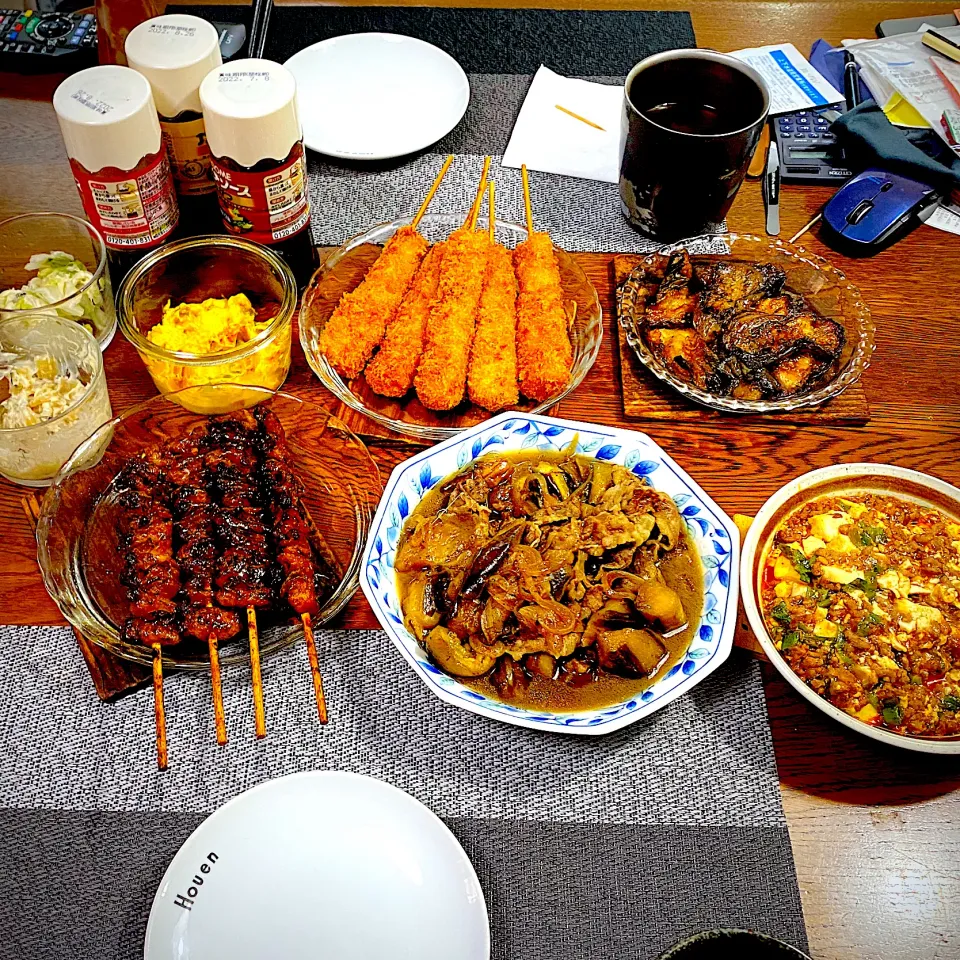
<point>586,847</point>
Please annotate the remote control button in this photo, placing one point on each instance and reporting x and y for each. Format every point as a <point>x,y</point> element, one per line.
<point>52,28</point>
<point>74,41</point>
<point>12,36</point>
<point>785,136</point>
<point>88,18</point>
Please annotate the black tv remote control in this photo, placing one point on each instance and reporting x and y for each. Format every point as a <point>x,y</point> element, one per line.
<point>32,42</point>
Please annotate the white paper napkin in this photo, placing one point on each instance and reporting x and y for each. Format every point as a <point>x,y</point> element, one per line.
<point>549,139</point>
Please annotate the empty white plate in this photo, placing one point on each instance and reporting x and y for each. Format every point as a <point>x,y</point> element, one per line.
<point>320,865</point>
<point>371,96</point>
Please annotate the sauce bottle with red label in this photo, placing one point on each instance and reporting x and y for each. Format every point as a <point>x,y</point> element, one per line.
<point>110,129</point>
<point>256,147</point>
<point>175,52</point>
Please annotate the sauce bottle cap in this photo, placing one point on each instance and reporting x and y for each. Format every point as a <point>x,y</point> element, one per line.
<point>107,117</point>
<point>174,52</point>
<point>250,111</point>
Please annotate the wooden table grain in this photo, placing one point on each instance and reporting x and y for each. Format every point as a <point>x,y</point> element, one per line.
<point>875,831</point>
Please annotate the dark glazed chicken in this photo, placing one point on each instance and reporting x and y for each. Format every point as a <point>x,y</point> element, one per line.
<point>730,327</point>
<point>549,566</point>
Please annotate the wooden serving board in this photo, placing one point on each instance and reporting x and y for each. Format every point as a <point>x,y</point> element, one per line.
<point>647,398</point>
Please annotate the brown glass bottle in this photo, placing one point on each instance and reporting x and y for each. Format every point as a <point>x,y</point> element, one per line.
<point>268,203</point>
<point>186,142</point>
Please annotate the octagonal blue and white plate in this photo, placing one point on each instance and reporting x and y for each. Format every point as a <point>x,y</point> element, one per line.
<point>711,530</point>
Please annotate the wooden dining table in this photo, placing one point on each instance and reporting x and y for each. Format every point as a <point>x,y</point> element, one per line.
<point>875,830</point>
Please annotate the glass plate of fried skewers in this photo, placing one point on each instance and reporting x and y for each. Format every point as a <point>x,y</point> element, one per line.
<point>197,543</point>
<point>432,323</point>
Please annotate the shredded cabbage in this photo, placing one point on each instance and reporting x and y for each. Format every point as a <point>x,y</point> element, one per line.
<point>60,276</point>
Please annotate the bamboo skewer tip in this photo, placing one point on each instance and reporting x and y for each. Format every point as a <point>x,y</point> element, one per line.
<point>491,210</point>
<point>256,676</point>
<point>432,191</point>
<point>219,718</point>
<point>527,209</point>
<point>314,667</point>
<point>471,222</point>
<point>159,712</point>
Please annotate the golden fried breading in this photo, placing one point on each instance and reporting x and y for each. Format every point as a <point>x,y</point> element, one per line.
<point>544,353</point>
<point>356,327</point>
<point>442,375</point>
<point>492,378</point>
<point>390,373</point>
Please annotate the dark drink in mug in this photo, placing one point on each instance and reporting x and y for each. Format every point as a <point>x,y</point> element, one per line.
<point>691,122</point>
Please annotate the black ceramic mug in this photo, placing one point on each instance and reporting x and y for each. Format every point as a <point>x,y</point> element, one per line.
<point>691,123</point>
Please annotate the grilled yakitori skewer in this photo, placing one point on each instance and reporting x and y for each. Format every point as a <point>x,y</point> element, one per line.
<point>244,573</point>
<point>544,352</point>
<point>442,376</point>
<point>292,537</point>
<point>492,379</point>
<point>151,575</point>
<point>195,520</point>
<point>362,316</point>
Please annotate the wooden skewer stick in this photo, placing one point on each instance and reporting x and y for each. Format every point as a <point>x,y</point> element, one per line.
<point>576,116</point>
<point>526,198</point>
<point>259,717</point>
<point>159,713</point>
<point>492,217</point>
<point>314,667</point>
<point>471,221</point>
<point>219,718</point>
<point>433,189</point>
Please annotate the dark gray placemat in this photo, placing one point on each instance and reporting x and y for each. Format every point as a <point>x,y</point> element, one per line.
<point>585,847</point>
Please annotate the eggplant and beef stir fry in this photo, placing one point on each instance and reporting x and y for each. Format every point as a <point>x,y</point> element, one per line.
<point>548,566</point>
<point>731,327</point>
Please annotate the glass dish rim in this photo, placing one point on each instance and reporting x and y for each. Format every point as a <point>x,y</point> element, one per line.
<point>100,271</point>
<point>284,314</point>
<point>99,374</point>
<point>855,368</point>
<point>336,385</point>
<point>362,511</point>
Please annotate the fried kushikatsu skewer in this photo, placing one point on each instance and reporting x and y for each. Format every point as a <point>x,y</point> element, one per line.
<point>292,536</point>
<point>390,373</point>
<point>357,326</point>
<point>492,380</point>
<point>544,352</point>
<point>442,375</point>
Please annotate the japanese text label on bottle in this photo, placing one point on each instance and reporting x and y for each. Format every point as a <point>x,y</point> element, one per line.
<point>135,208</point>
<point>267,206</point>
<point>186,143</point>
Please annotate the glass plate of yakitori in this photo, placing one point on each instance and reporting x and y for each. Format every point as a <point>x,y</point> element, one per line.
<point>851,583</point>
<point>396,367</point>
<point>212,479</point>
<point>767,326</point>
<point>554,575</point>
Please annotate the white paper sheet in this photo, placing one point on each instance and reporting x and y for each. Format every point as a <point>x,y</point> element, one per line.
<point>549,139</point>
<point>794,84</point>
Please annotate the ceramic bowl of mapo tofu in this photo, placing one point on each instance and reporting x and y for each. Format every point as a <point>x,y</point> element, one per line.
<point>851,583</point>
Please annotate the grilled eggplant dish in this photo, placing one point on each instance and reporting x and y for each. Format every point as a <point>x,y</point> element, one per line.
<point>550,578</point>
<point>731,327</point>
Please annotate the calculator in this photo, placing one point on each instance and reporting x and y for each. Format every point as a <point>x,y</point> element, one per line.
<point>32,42</point>
<point>809,152</point>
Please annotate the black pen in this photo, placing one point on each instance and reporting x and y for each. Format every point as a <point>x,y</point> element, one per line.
<point>851,80</point>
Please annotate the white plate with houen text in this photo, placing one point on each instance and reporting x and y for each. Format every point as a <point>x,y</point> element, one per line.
<point>320,865</point>
<point>372,96</point>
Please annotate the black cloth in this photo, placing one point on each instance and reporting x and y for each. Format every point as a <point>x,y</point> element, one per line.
<point>871,141</point>
<point>485,40</point>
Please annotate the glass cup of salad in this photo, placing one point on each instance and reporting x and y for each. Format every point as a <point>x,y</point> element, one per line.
<point>57,263</point>
<point>53,394</point>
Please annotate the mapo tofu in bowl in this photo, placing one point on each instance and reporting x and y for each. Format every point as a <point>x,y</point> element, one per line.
<point>858,593</point>
<point>553,575</point>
